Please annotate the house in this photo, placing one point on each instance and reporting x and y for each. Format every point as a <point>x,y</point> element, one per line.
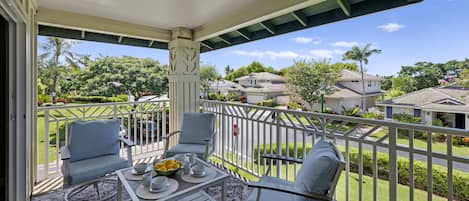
<point>348,92</point>
<point>225,87</point>
<point>449,104</point>
<point>262,86</point>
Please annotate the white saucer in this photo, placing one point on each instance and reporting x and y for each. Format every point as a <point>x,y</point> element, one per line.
<point>144,192</point>
<point>132,177</point>
<point>204,173</point>
<point>137,173</point>
<point>159,190</point>
<point>210,173</point>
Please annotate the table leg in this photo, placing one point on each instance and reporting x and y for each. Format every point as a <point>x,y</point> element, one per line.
<point>223,191</point>
<point>119,190</point>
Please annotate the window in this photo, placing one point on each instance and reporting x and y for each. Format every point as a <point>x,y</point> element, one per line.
<point>369,83</point>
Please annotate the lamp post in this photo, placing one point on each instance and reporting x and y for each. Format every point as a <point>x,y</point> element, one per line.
<point>322,91</point>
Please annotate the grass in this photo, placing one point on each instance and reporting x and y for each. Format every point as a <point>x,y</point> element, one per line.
<point>383,185</point>
<point>441,147</point>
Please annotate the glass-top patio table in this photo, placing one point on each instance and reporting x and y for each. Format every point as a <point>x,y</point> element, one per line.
<point>184,191</point>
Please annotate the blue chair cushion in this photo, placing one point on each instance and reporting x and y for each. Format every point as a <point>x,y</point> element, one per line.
<point>199,149</point>
<point>196,127</point>
<point>89,139</point>
<point>85,170</point>
<point>268,195</point>
<point>318,170</point>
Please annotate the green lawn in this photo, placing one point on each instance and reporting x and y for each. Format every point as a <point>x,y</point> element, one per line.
<point>441,147</point>
<point>383,185</point>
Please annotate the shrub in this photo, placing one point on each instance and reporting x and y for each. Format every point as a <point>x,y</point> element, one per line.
<point>294,105</point>
<point>353,112</point>
<point>439,173</point>
<point>243,99</point>
<point>212,96</point>
<point>328,110</point>
<point>268,103</point>
<point>232,97</point>
<point>43,98</point>
<point>373,115</point>
<point>221,97</point>
<point>63,100</point>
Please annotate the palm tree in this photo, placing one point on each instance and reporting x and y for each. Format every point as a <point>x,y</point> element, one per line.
<point>56,49</point>
<point>361,55</point>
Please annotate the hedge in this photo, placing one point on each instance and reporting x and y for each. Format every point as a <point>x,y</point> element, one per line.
<point>440,185</point>
<point>98,99</point>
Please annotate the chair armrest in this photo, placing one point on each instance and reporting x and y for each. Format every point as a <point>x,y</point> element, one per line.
<point>127,142</point>
<point>171,134</point>
<point>287,189</point>
<point>283,158</point>
<point>65,153</point>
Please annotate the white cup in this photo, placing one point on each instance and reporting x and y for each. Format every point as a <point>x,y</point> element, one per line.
<point>159,182</point>
<point>198,169</point>
<point>147,179</point>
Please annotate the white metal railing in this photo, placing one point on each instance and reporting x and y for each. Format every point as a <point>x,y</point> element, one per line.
<point>145,123</point>
<point>258,127</point>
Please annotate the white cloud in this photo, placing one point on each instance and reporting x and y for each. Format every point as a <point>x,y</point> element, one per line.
<point>345,44</point>
<point>391,27</point>
<point>306,40</point>
<point>270,54</point>
<point>322,53</point>
<point>325,53</point>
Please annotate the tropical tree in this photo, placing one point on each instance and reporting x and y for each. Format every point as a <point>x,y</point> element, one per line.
<point>108,76</point>
<point>228,70</point>
<point>56,50</point>
<point>208,74</point>
<point>361,55</point>
<point>306,79</point>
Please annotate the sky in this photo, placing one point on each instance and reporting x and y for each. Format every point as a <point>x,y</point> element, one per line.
<point>433,31</point>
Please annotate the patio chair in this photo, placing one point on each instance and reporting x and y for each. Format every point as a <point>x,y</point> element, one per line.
<point>91,154</point>
<point>197,135</point>
<point>316,179</point>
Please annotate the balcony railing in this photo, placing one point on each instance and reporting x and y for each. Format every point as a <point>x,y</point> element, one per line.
<point>384,159</point>
<point>246,132</point>
<point>143,122</point>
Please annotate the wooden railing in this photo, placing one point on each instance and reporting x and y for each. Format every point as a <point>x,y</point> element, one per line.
<point>396,154</point>
<point>145,123</point>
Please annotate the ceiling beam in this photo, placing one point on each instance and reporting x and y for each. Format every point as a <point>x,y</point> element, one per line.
<point>83,34</point>
<point>300,17</point>
<point>120,39</point>
<point>89,23</point>
<point>206,44</point>
<point>225,39</point>
<point>268,26</point>
<point>244,33</point>
<point>345,6</point>
<point>151,43</point>
<point>258,11</point>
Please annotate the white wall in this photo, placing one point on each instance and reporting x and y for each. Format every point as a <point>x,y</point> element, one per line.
<point>282,100</point>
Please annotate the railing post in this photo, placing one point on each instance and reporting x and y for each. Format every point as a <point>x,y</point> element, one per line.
<point>46,143</point>
<point>223,127</point>
<point>114,111</point>
<point>279,142</point>
<point>393,172</point>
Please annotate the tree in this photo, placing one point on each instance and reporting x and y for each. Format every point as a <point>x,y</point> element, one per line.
<point>464,78</point>
<point>208,74</point>
<point>348,66</point>
<point>108,76</point>
<point>253,67</point>
<point>228,70</point>
<point>51,70</point>
<point>305,79</point>
<point>361,56</point>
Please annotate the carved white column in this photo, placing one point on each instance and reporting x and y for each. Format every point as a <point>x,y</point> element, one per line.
<point>184,77</point>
